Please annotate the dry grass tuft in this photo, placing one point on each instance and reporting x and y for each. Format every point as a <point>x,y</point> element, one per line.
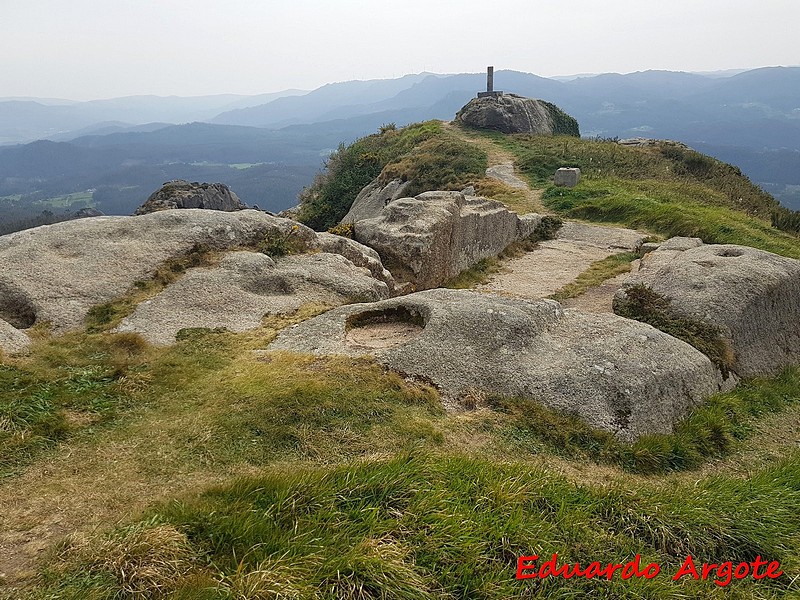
<point>519,200</point>
<point>146,560</point>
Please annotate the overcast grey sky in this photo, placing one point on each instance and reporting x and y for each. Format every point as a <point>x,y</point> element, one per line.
<point>84,49</point>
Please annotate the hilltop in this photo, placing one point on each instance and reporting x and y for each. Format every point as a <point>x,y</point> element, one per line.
<point>665,187</point>
<point>162,437</point>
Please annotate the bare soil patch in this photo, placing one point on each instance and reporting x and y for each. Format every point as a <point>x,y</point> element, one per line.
<point>382,335</point>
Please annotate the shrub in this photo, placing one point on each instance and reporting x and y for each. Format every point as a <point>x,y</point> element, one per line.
<point>424,153</point>
<point>563,124</point>
<point>277,243</point>
<point>350,168</point>
<point>547,228</point>
<point>441,163</point>
<point>786,220</point>
<point>342,229</point>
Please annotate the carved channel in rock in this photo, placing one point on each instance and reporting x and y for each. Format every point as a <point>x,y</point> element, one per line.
<point>386,328</point>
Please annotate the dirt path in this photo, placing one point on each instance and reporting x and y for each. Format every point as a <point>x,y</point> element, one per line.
<point>555,263</point>
<point>501,166</point>
<point>599,298</point>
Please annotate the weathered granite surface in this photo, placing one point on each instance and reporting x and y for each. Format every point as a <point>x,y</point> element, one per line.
<point>510,113</point>
<point>246,286</point>
<point>753,296</point>
<point>615,373</point>
<point>373,198</point>
<point>431,238</point>
<point>56,273</point>
<point>182,194</point>
<point>12,340</point>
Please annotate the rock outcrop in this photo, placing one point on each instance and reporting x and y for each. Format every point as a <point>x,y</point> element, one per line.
<point>246,286</point>
<point>617,374</point>
<point>86,213</point>
<point>56,273</point>
<point>358,254</point>
<point>12,340</point>
<point>372,199</point>
<point>431,238</point>
<point>509,113</point>
<point>182,194</point>
<point>752,296</point>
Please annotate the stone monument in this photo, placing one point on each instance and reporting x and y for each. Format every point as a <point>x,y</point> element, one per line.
<point>489,93</point>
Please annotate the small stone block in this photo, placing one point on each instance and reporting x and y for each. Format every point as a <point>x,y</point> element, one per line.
<point>567,177</point>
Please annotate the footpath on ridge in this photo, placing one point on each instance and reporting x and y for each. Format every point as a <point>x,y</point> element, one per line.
<point>558,262</point>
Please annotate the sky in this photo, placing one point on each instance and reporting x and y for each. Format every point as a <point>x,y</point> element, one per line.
<point>88,49</point>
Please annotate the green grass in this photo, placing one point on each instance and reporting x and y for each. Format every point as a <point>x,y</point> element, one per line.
<point>711,430</point>
<point>74,383</point>
<point>441,163</point>
<point>643,304</point>
<point>364,487</point>
<point>425,521</point>
<point>668,209</point>
<point>477,274</point>
<point>598,272</point>
<point>666,189</point>
<point>539,156</point>
<point>423,526</point>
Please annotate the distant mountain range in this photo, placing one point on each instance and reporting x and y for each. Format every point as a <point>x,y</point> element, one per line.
<point>29,119</point>
<point>268,147</point>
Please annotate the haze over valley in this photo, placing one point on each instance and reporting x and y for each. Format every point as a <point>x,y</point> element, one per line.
<point>60,155</point>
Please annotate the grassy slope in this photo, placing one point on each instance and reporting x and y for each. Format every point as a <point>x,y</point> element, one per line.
<point>446,500</point>
<point>427,154</point>
<point>665,189</point>
<point>358,485</point>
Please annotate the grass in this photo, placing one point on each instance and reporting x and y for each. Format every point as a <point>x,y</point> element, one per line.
<point>425,154</point>
<point>711,430</point>
<point>357,483</point>
<point>207,405</point>
<point>424,526</point>
<point>643,304</point>
<point>668,209</point>
<point>518,200</point>
<point>598,272</point>
<point>666,189</point>
<point>478,274</point>
<point>72,384</point>
<point>539,157</point>
<point>441,163</point>
<point>105,317</point>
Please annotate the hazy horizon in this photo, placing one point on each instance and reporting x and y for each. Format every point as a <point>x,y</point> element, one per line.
<point>81,51</point>
<point>733,71</point>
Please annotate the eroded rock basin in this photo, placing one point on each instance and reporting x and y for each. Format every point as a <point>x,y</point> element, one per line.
<point>617,374</point>
<point>374,330</point>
